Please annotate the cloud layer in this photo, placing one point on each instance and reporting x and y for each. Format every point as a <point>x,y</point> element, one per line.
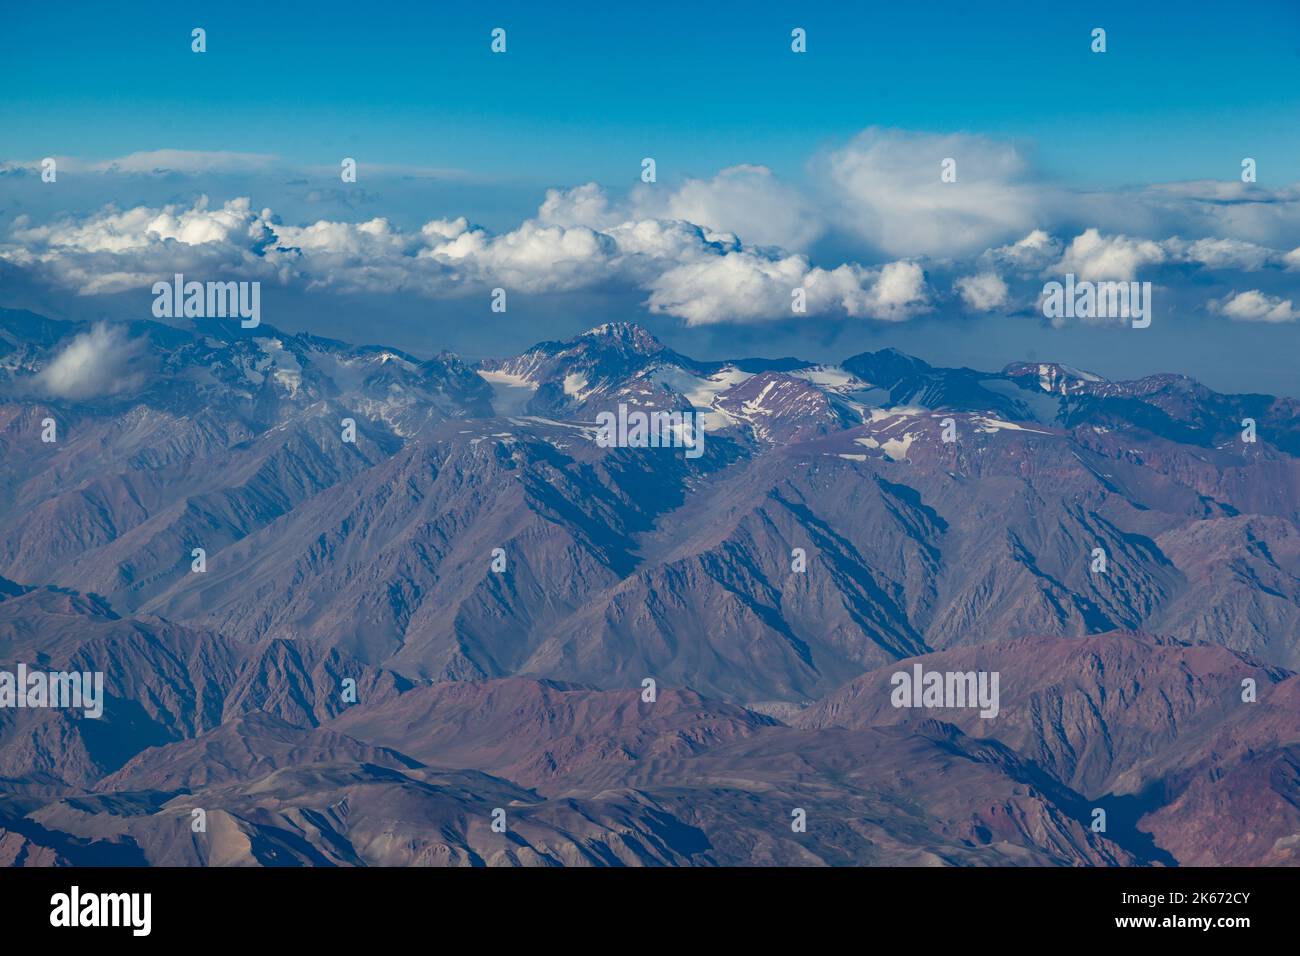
<point>741,246</point>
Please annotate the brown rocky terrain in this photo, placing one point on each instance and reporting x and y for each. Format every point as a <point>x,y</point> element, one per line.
<point>349,681</point>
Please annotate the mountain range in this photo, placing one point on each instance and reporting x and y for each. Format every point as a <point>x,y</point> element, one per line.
<point>457,612</point>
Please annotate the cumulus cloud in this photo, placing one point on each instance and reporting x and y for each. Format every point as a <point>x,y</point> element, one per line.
<point>898,293</point>
<point>684,268</point>
<point>585,205</point>
<point>1222,253</point>
<point>747,201</point>
<point>94,363</point>
<point>1255,306</point>
<point>877,235</point>
<point>744,287</point>
<point>114,250</point>
<point>116,231</point>
<point>1227,209</point>
<point>885,187</point>
<point>730,288</point>
<point>983,292</point>
<point>1091,255</point>
<point>1029,255</point>
<point>535,256</point>
<point>1094,257</point>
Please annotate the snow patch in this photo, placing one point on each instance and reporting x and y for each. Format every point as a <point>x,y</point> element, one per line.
<point>511,392</point>
<point>696,389</point>
<point>830,376</point>
<point>990,425</point>
<point>701,391</point>
<point>288,372</point>
<point>896,448</point>
<point>575,386</point>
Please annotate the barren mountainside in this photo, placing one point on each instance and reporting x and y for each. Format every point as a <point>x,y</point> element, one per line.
<point>391,638</point>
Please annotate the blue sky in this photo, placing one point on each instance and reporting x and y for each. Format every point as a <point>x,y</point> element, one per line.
<point>774,169</point>
<point>587,89</point>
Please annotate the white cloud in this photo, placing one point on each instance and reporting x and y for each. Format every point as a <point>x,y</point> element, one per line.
<point>744,287</point>
<point>1255,306</point>
<point>1222,253</point>
<point>897,295</point>
<point>116,231</point>
<point>94,363</point>
<point>685,269</point>
<point>884,187</point>
<point>153,161</point>
<point>983,292</point>
<point>200,163</point>
<point>648,244</point>
<point>1029,255</point>
<point>186,161</point>
<point>115,250</point>
<point>748,201</point>
<point>535,257</point>
<point>728,248</point>
<point>585,205</point>
<point>1227,209</point>
<point>1092,256</point>
<point>740,287</point>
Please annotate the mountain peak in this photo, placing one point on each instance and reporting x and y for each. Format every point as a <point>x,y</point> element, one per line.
<point>627,334</point>
<point>1053,376</point>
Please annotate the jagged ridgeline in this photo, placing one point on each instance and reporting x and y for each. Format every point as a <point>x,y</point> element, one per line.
<point>208,531</point>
